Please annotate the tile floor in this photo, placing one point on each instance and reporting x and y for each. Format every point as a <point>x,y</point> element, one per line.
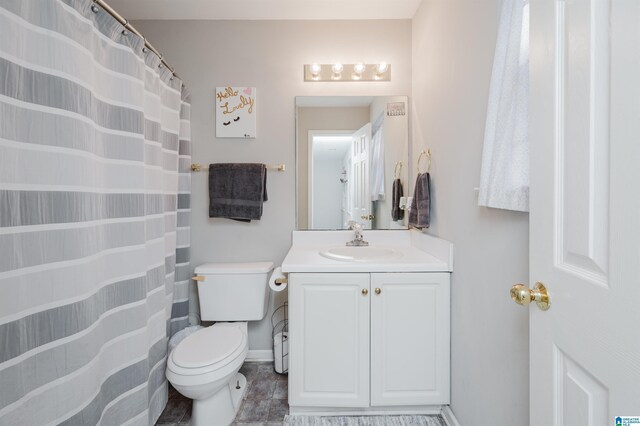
<point>265,402</point>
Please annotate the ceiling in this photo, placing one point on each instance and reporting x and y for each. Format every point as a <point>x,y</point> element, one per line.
<point>265,9</point>
<point>331,146</point>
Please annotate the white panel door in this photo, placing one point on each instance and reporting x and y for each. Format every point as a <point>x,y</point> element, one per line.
<point>361,201</point>
<point>585,211</point>
<point>329,340</point>
<point>409,339</point>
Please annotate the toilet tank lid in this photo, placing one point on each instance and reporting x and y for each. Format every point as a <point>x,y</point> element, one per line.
<point>234,268</point>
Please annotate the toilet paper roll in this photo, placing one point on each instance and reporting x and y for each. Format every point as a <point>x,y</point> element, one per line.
<point>409,201</point>
<point>402,205</point>
<point>277,274</point>
<point>281,352</point>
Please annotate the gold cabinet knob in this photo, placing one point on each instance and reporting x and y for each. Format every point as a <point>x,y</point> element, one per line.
<point>523,295</point>
<point>378,290</point>
<point>365,291</point>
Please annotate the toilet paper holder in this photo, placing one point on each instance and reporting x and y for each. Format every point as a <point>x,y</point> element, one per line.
<point>280,281</point>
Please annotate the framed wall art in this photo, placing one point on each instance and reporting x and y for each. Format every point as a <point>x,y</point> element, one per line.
<point>235,112</point>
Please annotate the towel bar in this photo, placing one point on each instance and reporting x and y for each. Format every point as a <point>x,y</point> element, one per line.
<point>197,167</point>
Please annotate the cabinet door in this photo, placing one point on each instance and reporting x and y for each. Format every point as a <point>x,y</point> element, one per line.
<point>410,339</point>
<point>329,340</point>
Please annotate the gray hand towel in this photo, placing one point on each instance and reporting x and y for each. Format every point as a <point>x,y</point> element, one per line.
<point>397,192</point>
<point>419,214</point>
<point>237,190</point>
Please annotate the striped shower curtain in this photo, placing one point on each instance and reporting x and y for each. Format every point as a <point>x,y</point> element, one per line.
<point>94,217</point>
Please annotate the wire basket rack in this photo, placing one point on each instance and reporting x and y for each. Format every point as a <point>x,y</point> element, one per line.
<point>280,337</point>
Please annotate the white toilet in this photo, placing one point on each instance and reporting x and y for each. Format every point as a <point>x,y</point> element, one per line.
<point>205,365</point>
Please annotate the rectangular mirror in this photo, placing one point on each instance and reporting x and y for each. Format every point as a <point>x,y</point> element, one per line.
<point>349,151</point>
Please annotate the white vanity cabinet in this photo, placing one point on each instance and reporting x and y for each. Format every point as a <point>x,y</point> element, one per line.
<point>409,339</point>
<point>329,340</point>
<point>369,341</point>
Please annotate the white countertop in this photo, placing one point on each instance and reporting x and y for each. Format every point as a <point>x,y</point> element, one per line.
<point>419,252</point>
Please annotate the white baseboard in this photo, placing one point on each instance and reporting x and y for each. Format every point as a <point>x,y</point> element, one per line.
<point>259,355</point>
<point>416,410</point>
<point>449,417</point>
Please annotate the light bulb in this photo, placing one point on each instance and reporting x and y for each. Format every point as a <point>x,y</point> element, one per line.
<point>337,68</point>
<point>315,69</point>
<point>359,68</point>
<point>382,67</point>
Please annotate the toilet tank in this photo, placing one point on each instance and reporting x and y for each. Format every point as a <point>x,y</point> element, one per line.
<point>233,291</point>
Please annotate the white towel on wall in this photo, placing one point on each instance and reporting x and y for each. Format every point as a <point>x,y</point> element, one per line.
<point>377,165</point>
<point>504,178</point>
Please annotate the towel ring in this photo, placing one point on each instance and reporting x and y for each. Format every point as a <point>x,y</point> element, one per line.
<point>427,154</point>
<point>397,170</point>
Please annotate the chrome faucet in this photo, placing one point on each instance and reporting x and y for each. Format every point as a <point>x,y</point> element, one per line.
<point>358,241</point>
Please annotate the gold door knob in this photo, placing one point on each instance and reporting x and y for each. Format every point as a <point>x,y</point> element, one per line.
<point>378,290</point>
<point>365,291</point>
<point>523,295</point>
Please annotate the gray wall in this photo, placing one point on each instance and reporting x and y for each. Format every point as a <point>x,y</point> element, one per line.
<point>320,118</point>
<point>270,56</point>
<point>453,45</point>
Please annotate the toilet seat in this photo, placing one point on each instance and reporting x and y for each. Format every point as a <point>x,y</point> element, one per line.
<point>209,349</point>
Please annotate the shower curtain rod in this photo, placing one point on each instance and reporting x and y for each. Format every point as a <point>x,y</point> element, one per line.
<point>131,28</point>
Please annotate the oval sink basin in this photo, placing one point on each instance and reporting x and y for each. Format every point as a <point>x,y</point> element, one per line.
<point>359,254</point>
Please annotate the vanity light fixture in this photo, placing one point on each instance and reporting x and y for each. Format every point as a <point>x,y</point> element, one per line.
<point>359,71</point>
<point>336,71</point>
<point>315,69</point>
<point>382,67</point>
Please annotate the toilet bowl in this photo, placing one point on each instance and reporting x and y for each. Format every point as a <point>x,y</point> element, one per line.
<point>204,367</point>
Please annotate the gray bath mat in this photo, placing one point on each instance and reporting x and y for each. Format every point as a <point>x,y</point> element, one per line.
<point>297,420</point>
